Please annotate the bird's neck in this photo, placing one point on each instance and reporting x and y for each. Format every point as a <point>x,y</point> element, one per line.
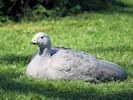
<point>45,52</point>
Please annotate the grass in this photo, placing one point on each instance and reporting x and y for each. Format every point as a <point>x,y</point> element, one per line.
<point>106,35</point>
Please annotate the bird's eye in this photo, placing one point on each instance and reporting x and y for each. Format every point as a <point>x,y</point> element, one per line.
<point>42,37</point>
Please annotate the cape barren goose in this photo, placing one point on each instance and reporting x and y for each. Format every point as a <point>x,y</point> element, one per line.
<point>58,63</point>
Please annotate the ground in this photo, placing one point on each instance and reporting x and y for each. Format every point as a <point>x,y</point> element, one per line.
<point>108,36</point>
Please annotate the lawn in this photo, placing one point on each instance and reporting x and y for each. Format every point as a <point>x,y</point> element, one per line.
<point>106,35</point>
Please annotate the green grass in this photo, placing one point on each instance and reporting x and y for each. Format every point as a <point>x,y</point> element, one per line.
<point>106,35</point>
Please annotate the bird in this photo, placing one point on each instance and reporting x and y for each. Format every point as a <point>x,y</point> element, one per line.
<point>60,63</point>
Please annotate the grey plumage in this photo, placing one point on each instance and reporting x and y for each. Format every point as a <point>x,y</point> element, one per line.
<point>59,63</point>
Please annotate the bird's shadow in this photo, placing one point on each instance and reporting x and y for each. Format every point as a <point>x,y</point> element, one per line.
<point>51,91</point>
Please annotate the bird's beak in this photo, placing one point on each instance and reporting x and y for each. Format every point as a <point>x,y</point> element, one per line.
<point>34,41</point>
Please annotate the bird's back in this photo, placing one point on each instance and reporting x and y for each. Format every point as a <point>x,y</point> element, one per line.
<point>71,64</point>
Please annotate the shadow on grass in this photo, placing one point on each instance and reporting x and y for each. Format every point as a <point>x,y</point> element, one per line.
<point>78,6</point>
<point>107,6</point>
<point>13,59</point>
<point>7,83</point>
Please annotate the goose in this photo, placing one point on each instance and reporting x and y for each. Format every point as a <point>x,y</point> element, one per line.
<point>59,63</point>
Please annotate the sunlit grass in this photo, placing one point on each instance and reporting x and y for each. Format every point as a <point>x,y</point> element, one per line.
<point>107,36</point>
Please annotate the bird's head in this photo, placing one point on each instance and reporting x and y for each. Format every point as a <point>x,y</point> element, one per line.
<point>41,39</point>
